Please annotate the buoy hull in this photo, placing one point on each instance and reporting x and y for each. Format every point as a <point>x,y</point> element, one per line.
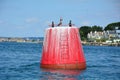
<point>62,49</point>
<point>79,66</point>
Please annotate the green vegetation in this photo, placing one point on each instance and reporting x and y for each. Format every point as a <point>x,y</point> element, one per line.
<point>84,30</point>
<point>112,26</point>
<point>100,40</point>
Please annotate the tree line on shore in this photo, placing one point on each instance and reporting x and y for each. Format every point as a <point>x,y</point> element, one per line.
<point>84,30</point>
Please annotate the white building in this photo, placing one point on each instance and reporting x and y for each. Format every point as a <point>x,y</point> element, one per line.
<point>97,35</point>
<point>105,34</point>
<point>118,33</point>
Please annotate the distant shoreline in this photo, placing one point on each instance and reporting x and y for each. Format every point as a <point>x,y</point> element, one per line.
<point>40,40</point>
<point>22,40</point>
<point>101,44</point>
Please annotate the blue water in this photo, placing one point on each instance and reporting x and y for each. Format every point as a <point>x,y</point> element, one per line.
<point>20,61</point>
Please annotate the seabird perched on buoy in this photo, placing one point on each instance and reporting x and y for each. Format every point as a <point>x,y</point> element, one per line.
<point>60,22</point>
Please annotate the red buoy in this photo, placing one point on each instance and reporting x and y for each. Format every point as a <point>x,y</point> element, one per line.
<point>62,49</point>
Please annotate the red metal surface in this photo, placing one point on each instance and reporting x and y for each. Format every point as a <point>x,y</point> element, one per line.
<point>62,46</point>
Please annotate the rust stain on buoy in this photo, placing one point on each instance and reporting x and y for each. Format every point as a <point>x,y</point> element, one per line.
<point>62,49</point>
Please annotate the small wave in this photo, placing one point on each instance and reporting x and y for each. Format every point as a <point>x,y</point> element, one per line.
<point>32,64</point>
<point>97,66</point>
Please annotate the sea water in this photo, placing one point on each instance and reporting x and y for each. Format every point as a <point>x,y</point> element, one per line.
<point>21,61</point>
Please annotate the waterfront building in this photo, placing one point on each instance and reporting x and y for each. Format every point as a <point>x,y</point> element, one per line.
<point>97,35</point>
<point>118,33</point>
<point>109,34</point>
<point>112,34</point>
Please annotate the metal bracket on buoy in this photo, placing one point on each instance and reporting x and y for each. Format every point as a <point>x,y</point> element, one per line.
<point>53,24</point>
<point>70,23</point>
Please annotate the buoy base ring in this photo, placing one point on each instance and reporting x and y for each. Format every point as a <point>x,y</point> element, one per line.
<point>80,66</point>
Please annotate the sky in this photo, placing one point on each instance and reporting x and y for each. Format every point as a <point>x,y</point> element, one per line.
<point>30,18</point>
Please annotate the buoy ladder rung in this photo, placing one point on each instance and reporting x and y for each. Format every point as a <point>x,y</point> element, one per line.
<point>64,45</point>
